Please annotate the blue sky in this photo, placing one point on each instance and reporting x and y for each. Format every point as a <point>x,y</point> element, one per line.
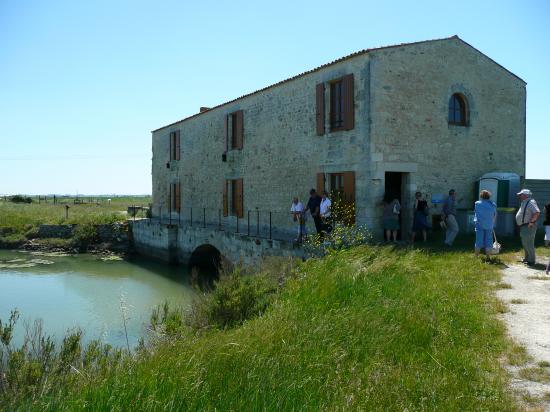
<point>82,84</point>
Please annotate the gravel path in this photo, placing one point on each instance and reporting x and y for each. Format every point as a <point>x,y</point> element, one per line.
<point>528,323</point>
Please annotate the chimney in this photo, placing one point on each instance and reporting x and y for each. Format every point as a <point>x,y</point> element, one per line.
<point>204,109</point>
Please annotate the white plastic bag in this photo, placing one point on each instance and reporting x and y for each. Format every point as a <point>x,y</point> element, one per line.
<point>495,250</point>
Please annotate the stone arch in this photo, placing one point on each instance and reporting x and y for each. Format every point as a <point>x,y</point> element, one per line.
<point>206,263</point>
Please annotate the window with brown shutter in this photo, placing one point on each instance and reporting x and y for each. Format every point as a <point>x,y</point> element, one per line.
<point>320,183</point>
<point>336,105</point>
<point>175,197</point>
<point>178,146</point>
<point>342,195</point>
<point>233,201</point>
<point>349,103</point>
<point>225,197</point>
<point>320,106</point>
<point>235,130</point>
<point>342,106</point>
<point>175,145</point>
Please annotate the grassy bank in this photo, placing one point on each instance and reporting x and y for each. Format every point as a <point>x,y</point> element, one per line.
<point>369,328</point>
<point>20,221</point>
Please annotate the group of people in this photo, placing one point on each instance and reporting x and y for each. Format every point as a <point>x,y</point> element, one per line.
<point>319,209</point>
<point>485,214</point>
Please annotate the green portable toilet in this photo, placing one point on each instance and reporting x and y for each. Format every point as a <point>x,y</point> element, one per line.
<point>503,187</point>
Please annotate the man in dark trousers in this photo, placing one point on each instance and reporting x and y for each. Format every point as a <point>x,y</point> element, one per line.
<point>313,205</point>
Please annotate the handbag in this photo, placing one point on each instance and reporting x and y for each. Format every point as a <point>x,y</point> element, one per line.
<point>395,209</point>
<point>495,250</point>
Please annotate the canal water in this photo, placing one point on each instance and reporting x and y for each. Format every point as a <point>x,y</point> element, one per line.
<point>87,292</point>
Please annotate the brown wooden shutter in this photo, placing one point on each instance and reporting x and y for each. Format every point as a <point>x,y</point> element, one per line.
<point>320,182</point>
<point>239,207</point>
<point>225,199</point>
<point>349,105</point>
<point>177,196</point>
<point>349,186</point>
<point>349,196</point>
<point>170,150</point>
<point>178,147</point>
<point>239,129</point>
<point>226,133</point>
<point>320,104</point>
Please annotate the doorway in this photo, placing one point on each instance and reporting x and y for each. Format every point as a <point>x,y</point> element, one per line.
<point>393,186</point>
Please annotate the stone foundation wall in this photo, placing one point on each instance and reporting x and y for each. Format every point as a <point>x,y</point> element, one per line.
<point>176,244</point>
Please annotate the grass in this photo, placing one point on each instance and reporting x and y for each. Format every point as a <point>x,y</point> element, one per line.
<point>535,374</point>
<point>517,355</point>
<point>370,328</point>
<point>19,216</point>
<point>518,301</point>
<point>19,221</point>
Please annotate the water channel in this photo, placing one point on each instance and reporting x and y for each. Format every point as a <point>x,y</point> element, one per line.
<point>87,292</point>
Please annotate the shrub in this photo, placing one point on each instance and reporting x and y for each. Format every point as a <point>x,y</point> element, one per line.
<point>235,299</point>
<point>20,199</point>
<point>84,235</point>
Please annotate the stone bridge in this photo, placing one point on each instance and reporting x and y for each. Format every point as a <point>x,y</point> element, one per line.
<point>205,246</point>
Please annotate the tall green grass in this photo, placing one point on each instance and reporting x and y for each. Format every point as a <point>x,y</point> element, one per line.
<point>369,328</point>
<point>19,216</point>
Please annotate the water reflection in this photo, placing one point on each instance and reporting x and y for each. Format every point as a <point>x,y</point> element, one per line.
<point>85,291</point>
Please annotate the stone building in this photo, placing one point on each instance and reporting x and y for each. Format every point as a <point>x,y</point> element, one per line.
<point>426,116</point>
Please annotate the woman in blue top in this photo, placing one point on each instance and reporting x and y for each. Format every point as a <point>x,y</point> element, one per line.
<point>484,219</point>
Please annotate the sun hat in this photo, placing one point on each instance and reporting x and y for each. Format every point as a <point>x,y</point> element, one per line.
<point>525,192</point>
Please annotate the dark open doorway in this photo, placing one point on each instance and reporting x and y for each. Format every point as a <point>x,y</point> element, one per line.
<point>393,187</point>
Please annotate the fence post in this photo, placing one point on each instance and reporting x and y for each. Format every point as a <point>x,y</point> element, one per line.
<point>248,222</point>
<point>270,225</point>
<point>204,217</point>
<point>257,223</point>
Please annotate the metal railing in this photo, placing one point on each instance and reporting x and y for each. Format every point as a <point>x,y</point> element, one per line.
<point>256,223</point>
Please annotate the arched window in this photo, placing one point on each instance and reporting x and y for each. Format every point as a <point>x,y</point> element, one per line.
<point>458,110</point>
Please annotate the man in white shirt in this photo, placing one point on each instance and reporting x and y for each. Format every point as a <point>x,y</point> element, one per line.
<point>324,211</point>
<point>526,219</point>
<point>325,205</point>
<point>298,216</point>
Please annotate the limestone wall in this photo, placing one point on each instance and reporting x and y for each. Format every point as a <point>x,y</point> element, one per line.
<point>282,153</point>
<point>410,91</point>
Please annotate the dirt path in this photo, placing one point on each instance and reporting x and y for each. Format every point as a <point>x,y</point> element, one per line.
<point>526,291</point>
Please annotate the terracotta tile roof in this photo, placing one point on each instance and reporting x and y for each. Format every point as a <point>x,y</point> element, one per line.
<point>349,56</point>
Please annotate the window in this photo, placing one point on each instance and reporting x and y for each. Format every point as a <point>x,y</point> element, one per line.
<point>336,105</point>
<point>341,105</point>
<point>341,188</point>
<point>458,110</point>
<point>233,204</point>
<point>175,197</point>
<point>175,145</point>
<point>234,131</point>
